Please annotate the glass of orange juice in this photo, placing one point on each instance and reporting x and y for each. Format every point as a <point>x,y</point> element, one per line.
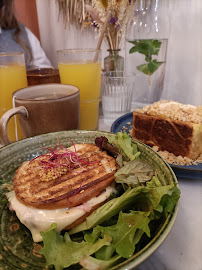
<point>82,68</point>
<point>12,77</point>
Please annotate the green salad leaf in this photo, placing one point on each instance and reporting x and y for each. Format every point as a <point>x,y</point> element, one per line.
<point>62,252</point>
<point>154,182</point>
<point>123,233</point>
<point>124,142</point>
<point>120,238</point>
<point>142,197</point>
<point>106,211</point>
<point>91,263</point>
<point>169,200</point>
<point>134,173</point>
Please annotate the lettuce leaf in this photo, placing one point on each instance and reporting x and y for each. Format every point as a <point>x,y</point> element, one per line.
<point>123,233</point>
<point>91,263</point>
<point>124,142</point>
<point>111,244</point>
<point>134,173</point>
<point>106,211</point>
<point>168,200</point>
<point>155,182</point>
<point>143,198</point>
<point>62,252</point>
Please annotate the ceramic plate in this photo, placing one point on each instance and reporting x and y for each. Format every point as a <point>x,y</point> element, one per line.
<point>192,171</point>
<point>17,250</point>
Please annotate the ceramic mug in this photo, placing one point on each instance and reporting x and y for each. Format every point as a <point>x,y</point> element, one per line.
<point>42,109</point>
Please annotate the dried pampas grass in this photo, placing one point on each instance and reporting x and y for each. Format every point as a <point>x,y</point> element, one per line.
<point>73,11</point>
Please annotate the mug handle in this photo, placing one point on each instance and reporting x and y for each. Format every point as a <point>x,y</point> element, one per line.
<point>4,122</point>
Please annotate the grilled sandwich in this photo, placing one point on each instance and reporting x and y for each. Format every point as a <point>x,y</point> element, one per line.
<point>63,186</point>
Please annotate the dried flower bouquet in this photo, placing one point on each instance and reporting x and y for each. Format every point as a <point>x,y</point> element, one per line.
<point>119,9</point>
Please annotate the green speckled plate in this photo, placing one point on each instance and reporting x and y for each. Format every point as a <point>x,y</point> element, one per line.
<point>17,250</point>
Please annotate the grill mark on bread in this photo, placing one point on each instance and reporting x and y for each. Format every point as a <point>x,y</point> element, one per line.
<point>69,194</point>
<point>75,200</point>
<point>64,178</point>
<point>74,187</point>
<point>90,184</point>
<point>33,192</point>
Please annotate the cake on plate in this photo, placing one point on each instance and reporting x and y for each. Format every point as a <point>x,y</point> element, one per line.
<point>171,126</point>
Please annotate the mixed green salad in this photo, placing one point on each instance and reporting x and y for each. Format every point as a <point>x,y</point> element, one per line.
<point>124,224</point>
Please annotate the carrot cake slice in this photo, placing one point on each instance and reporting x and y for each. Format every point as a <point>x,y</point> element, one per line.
<point>171,126</point>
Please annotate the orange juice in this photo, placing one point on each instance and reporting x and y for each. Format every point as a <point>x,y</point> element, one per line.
<point>87,77</point>
<point>12,77</point>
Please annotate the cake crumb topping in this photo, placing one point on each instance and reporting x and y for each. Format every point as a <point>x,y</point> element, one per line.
<point>177,160</point>
<point>174,111</point>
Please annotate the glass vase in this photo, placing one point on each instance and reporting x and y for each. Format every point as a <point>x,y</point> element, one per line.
<point>146,49</point>
<point>113,61</point>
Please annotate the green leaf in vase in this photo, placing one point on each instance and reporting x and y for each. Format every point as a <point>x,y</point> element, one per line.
<point>144,68</point>
<point>149,48</point>
<point>153,66</point>
<point>149,68</point>
<point>142,46</point>
<point>156,45</point>
<point>146,46</point>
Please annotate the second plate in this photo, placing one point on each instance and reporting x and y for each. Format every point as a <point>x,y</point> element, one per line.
<point>125,123</point>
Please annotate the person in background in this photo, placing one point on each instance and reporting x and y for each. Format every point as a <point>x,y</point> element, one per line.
<point>15,37</point>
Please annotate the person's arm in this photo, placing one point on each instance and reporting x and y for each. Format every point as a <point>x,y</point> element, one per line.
<point>40,59</point>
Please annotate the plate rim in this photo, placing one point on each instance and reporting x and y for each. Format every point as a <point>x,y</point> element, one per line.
<point>165,229</point>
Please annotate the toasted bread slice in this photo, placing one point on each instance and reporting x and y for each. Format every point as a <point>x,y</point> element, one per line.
<point>71,188</point>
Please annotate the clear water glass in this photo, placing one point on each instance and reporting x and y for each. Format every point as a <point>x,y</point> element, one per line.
<point>117,90</point>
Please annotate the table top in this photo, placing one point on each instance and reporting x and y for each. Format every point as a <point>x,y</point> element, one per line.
<point>182,249</point>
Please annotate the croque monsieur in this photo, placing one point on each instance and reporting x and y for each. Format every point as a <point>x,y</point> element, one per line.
<point>171,126</point>
<point>63,187</point>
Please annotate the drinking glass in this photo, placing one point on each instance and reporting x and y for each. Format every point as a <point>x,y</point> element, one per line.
<point>43,76</point>
<point>12,77</point>
<point>82,68</point>
<point>117,90</point>
<point>146,45</point>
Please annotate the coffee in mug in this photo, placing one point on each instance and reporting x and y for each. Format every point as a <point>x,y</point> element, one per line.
<point>42,109</point>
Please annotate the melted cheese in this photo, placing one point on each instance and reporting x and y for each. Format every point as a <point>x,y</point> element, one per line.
<point>40,220</point>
